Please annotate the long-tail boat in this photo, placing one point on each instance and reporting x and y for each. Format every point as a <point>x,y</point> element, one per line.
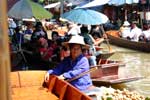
<point>115,39</point>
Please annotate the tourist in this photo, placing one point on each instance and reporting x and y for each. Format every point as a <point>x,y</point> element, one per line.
<point>146,35</point>
<point>125,30</point>
<point>135,33</point>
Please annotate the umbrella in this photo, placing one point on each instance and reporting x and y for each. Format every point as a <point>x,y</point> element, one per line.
<point>85,16</point>
<point>77,2</point>
<point>28,9</point>
<point>94,3</point>
<point>10,3</point>
<point>122,2</point>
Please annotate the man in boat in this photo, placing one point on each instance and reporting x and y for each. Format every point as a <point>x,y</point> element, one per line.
<point>74,65</point>
<point>136,32</point>
<point>125,30</point>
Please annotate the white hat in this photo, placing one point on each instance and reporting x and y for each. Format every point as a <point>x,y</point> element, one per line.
<point>77,39</point>
<point>29,19</point>
<point>126,23</point>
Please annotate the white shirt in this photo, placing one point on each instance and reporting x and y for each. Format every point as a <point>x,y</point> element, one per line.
<point>125,32</point>
<point>146,33</point>
<point>135,33</point>
<point>75,30</point>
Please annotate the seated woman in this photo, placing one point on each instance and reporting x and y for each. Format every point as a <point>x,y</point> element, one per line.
<point>74,65</point>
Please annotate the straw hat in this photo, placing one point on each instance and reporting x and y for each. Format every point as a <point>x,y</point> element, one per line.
<point>77,39</point>
<point>126,23</point>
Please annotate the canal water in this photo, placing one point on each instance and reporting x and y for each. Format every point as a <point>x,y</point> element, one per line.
<point>137,64</point>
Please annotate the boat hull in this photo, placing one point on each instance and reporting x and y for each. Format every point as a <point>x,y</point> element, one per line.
<point>116,40</point>
<point>108,73</point>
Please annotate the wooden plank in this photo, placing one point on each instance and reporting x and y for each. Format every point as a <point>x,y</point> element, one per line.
<point>4,54</point>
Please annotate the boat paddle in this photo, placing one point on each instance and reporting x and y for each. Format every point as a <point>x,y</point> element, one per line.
<point>107,41</point>
<point>93,68</point>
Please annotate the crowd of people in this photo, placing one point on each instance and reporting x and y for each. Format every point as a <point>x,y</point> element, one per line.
<point>34,37</point>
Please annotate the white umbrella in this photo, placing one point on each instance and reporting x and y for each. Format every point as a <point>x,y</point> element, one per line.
<point>122,2</point>
<point>94,3</point>
<point>77,2</point>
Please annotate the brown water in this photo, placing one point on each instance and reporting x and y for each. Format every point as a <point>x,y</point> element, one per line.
<point>137,64</point>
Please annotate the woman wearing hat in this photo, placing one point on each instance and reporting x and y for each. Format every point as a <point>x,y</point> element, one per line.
<point>74,65</point>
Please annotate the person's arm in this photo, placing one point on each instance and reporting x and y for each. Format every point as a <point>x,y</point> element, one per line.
<point>56,71</point>
<point>80,67</point>
<point>97,42</point>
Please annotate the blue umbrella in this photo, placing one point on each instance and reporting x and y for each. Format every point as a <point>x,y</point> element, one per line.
<point>85,16</point>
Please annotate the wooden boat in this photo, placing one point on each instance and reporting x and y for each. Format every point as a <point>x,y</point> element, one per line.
<point>108,72</point>
<point>116,40</point>
<point>105,55</point>
<point>24,87</point>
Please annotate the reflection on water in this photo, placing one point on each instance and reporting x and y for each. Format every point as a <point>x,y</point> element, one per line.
<point>137,64</point>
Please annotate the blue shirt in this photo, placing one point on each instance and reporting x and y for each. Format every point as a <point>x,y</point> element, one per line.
<point>70,69</point>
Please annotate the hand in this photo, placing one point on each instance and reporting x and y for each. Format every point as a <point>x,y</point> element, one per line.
<point>61,77</point>
<point>46,78</point>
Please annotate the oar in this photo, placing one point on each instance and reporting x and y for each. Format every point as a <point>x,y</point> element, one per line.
<point>93,68</point>
<point>110,49</point>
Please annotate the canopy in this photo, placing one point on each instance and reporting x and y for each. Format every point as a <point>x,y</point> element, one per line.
<point>94,3</point>
<point>122,2</point>
<point>77,2</point>
<point>28,9</point>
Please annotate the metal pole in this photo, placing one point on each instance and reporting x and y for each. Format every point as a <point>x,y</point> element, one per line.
<point>61,7</point>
